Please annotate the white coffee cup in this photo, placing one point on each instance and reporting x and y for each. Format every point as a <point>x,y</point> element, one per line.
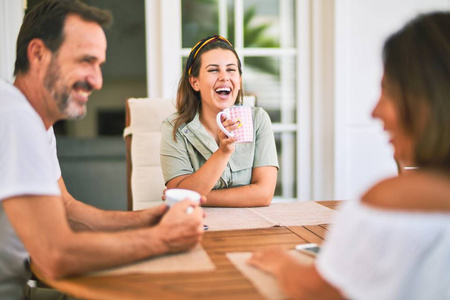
<point>243,115</point>
<point>176,195</point>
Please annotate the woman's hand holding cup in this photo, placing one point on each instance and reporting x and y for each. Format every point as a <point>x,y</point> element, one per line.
<point>226,143</point>
<point>236,122</point>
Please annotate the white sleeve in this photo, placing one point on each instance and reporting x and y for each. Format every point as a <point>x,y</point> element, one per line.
<point>379,254</point>
<point>26,166</point>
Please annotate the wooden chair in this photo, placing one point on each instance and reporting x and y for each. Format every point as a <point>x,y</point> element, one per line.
<point>145,183</point>
<point>249,100</point>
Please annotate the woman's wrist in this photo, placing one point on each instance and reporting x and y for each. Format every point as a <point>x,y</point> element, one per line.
<point>225,153</point>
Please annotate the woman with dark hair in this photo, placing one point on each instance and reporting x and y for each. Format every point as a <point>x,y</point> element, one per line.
<point>196,155</point>
<point>395,242</point>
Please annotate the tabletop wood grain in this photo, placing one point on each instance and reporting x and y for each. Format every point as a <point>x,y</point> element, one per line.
<point>226,282</point>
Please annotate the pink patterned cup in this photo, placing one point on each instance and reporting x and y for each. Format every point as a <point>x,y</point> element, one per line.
<point>243,115</point>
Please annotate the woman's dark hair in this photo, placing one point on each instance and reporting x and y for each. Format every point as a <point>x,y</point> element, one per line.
<point>46,22</point>
<point>417,63</point>
<point>188,100</point>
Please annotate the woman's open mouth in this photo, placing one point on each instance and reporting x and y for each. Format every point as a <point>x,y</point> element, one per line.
<point>223,92</point>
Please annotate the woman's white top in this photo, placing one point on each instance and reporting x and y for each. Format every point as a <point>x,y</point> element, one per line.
<point>373,253</point>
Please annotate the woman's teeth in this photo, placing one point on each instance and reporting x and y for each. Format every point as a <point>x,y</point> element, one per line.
<point>223,91</point>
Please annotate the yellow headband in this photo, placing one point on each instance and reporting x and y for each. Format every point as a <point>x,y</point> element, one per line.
<point>196,49</point>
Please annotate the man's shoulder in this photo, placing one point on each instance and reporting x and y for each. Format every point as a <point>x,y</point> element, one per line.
<point>8,90</point>
<point>17,117</point>
<point>12,100</point>
<point>16,113</point>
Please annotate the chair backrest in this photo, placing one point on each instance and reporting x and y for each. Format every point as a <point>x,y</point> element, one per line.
<point>249,100</point>
<point>145,182</point>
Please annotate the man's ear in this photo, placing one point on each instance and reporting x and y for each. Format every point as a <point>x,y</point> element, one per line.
<point>194,83</point>
<point>37,51</point>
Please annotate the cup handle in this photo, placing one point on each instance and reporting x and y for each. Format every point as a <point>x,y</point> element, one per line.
<point>219,123</point>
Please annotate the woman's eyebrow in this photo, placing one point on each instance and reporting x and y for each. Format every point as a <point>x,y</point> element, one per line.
<point>216,65</point>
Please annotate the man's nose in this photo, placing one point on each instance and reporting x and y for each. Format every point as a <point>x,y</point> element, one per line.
<point>95,79</point>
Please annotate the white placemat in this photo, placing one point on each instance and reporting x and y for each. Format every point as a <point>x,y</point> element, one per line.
<point>277,214</point>
<point>265,283</point>
<point>195,260</point>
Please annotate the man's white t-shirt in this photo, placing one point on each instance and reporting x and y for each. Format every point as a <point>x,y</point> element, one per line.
<point>28,166</point>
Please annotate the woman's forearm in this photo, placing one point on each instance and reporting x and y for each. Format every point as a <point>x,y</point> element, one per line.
<point>204,179</point>
<point>242,196</point>
<point>258,193</point>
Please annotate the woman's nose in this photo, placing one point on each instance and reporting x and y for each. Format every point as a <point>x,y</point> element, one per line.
<point>223,75</point>
<point>377,110</point>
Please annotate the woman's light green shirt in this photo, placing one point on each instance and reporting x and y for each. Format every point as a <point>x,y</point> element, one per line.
<point>194,146</point>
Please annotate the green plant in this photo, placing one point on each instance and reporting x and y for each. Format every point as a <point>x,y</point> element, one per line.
<point>255,37</point>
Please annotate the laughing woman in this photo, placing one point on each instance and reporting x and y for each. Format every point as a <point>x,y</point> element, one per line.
<point>395,242</point>
<point>196,154</point>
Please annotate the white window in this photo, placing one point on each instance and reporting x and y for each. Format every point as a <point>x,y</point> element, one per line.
<point>11,15</point>
<point>272,40</point>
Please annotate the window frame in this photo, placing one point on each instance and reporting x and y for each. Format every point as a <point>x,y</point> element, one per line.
<point>11,16</point>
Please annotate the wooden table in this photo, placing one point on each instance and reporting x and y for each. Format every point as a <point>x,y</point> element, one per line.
<point>226,282</point>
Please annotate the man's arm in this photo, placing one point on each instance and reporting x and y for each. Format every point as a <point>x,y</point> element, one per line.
<point>85,217</point>
<point>57,251</point>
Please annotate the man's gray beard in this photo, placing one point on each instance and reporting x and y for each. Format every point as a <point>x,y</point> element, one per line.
<point>72,111</point>
<point>66,105</point>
